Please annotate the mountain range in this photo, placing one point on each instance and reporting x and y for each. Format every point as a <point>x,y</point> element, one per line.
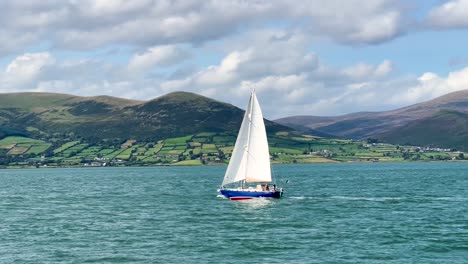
<point>441,122</point>
<point>110,118</point>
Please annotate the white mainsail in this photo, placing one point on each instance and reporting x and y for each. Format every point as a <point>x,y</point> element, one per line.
<point>250,160</point>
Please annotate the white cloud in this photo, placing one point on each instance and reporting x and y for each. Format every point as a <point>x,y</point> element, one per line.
<point>148,23</point>
<point>355,21</point>
<point>378,28</point>
<point>42,72</point>
<point>278,83</point>
<point>224,73</point>
<point>387,94</point>
<point>264,63</point>
<point>452,14</point>
<point>364,71</point>
<point>268,53</point>
<point>95,8</point>
<point>430,85</point>
<point>161,55</point>
<point>29,64</point>
<point>359,71</point>
<point>384,68</point>
<point>90,24</point>
<point>11,41</point>
<point>25,69</point>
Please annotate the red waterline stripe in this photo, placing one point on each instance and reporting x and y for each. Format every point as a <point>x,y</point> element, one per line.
<point>240,198</point>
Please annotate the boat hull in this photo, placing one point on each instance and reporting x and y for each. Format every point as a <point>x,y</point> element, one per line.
<point>239,194</point>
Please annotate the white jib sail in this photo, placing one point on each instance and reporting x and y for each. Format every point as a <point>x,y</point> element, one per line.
<point>250,159</point>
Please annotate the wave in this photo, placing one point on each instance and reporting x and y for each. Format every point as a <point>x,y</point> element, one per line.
<point>351,198</point>
<point>454,199</point>
<point>382,199</point>
<point>372,199</point>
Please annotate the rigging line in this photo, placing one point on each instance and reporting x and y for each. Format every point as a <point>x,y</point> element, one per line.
<point>274,175</point>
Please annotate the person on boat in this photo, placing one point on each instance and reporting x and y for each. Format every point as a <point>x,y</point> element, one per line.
<point>274,187</point>
<point>267,188</point>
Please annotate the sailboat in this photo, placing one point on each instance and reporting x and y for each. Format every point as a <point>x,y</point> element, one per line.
<point>249,173</point>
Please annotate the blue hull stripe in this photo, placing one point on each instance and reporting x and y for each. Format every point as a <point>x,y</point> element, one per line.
<point>251,194</point>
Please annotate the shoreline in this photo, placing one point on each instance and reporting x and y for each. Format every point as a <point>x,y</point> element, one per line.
<point>224,165</point>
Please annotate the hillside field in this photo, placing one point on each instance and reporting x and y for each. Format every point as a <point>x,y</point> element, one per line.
<point>204,148</point>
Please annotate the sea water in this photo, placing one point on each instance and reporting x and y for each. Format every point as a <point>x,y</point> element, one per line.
<point>333,213</point>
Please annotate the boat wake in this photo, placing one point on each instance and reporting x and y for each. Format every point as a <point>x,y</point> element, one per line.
<point>452,199</point>
<point>382,199</point>
<point>255,203</point>
<point>300,197</point>
<point>370,199</point>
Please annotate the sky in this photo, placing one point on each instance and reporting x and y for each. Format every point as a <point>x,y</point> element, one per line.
<point>306,57</point>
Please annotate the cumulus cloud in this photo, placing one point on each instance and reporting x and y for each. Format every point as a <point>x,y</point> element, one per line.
<point>430,85</point>
<point>24,69</point>
<point>270,52</point>
<point>355,21</point>
<point>387,94</point>
<point>42,72</point>
<point>451,14</point>
<point>290,80</point>
<point>11,41</point>
<point>364,71</point>
<point>89,24</point>
<point>160,55</point>
<point>225,72</point>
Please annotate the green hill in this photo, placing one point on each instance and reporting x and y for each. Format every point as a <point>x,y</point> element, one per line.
<point>39,115</point>
<point>447,129</point>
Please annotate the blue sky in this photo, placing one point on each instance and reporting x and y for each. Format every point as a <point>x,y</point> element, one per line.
<point>439,52</point>
<point>304,58</point>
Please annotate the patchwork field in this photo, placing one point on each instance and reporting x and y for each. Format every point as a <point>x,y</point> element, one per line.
<point>206,148</point>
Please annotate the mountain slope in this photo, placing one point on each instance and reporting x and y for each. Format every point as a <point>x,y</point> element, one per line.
<point>369,124</point>
<point>448,129</point>
<point>105,117</point>
<point>37,101</point>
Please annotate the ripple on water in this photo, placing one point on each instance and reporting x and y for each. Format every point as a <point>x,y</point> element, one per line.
<point>345,213</point>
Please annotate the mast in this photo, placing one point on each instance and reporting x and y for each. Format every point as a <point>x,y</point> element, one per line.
<point>252,94</point>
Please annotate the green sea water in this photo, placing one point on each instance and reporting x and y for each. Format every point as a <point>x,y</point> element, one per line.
<point>331,213</point>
